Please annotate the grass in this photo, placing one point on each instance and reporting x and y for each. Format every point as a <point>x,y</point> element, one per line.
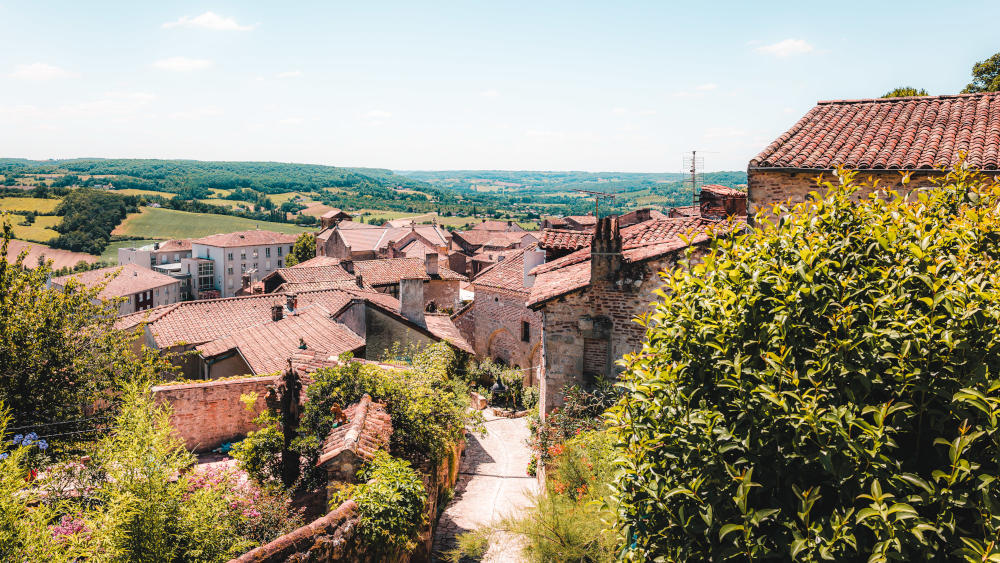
<point>110,253</point>
<point>232,204</point>
<point>159,223</point>
<point>39,231</point>
<point>151,193</point>
<point>278,199</point>
<point>36,204</point>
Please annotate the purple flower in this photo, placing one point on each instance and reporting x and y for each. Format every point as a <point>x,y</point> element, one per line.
<point>17,439</point>
<point>31,436</point>
<point>4,455</point>
<point>43,445</point>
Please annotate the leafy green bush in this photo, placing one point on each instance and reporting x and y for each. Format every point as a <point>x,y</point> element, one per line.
<point>391,502</point>
<point>429,412</point>
<point>824,386</point>
<point>259,454</point>
<point>581,411</point>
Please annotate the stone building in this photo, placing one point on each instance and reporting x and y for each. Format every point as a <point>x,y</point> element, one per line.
<point>503,327</point>
<point>356,241</point>
<point>882,138</point>
<point>589,298</point>
<point>482,248</point>
<point>139,287</point>
<point>366,430</point>
<point>333,216</point>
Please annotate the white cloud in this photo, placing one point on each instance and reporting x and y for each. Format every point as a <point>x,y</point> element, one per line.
<point>378,114</point>
<point>195,113</point>
<point>490,93</point>
<point>619,111</point>
<point>646,112</point>
<point>289,74</point>
<point>786,48</point>
<point>707,86</point>
<point>182,64</point>
<point>209,20</point>
<point>40,71</point>
<point>290,121</point>
<point>543,134</point>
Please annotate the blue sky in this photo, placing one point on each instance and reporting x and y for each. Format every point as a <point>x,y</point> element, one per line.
<point>625,86</point>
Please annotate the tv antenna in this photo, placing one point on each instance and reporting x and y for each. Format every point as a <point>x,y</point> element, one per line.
<point>597,199</point>
<point>694,167</point>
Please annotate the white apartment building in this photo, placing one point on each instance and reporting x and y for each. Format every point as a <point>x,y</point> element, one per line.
<point>256,253</point>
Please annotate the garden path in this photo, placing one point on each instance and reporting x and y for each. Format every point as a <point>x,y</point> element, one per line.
<point>492,483</point>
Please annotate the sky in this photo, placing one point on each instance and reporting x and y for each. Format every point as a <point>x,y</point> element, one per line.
<point>598,86</point>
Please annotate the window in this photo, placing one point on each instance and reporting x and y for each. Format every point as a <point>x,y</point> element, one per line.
<point>279,259</point>
<point>243,255</point>
<point>267,265</point>
<point>289,249</point>
<point>230,256</point>
<point>255,253</point>
<point>229,270</point>
<point>254,265</point>
<point>177,257</point>
<point>243,268</point>
<point>525,331</point>
<point>279,251</point>
<point>267,252</point>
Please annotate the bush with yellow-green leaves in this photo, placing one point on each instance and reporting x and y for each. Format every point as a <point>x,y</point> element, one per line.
<point>824,386</point>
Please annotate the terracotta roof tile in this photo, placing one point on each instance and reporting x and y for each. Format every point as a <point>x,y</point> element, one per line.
<point>390,270</point>
<point>723,191</point>
<point>892,133</point>
<point>441,326</point>
<point>506,274</point>
<point>245,238</point>
<point>564,239</point>
<point>175,245</point>
<point>367,430</point>
<point>497,226</point>
<point>121,281</point>
<point>318,261</point>
<point>267,346</point>
<point>496,238</point>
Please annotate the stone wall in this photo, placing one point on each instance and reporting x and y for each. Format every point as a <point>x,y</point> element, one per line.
<point>208,414</point>
<point>383,331</point>
<point>443,293</point>
<point>603,311</point>
<point>465,321</point>
<point>767,187</point>
<point>497,328</point>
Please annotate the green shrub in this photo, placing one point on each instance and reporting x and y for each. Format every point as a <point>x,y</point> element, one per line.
<point>259,454</point>
<point>824,387</point>
<point>391,502</point>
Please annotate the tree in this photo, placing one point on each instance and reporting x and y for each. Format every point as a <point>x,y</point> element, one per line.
<point>826,386</point>
<point>905,91</point>
<point>304,249</point>
<point>59,350</point>
<point>985,76</point>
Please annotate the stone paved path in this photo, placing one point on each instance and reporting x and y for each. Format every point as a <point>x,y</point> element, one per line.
<point>492,483</point>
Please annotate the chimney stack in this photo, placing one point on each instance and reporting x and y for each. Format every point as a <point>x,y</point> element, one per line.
<point>431,263</point>
<point>411,299</point>
<point>532,257</point>
<point>606,250</point>
<point>347,265</point>
<point>290,302</point>
<point>277,313</point>
<point>358,280</point>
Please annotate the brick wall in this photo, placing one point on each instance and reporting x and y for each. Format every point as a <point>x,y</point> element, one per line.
<point>208,414</point>
<point>465,321</point>
<point>767,187</point>
<point>497,327</point>
<point>443,293</point>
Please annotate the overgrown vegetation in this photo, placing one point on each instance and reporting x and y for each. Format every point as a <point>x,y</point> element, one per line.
<point>89,216</point>
<point>391,500</point>
<point>304,249</point>
<point>824,387</point>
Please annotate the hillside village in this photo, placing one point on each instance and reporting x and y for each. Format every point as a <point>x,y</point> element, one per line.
<point>801,367</point>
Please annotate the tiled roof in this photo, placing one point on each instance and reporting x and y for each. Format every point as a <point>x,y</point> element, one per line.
<point>318,261</point>
<point>500,226</point>
<point>60,258</point>
<point>390,270</point>
<point>723,191</point>
<point>246,238</point>
<point>891,133</point>
<point>131,280</point>
<point>175,245</point>
<point>441,326</point>
<point>346,225</point>
<point>379,238</point>
<point>334,213</point>
<point>507,274</point>
<point>562,239</point>
<point>642,241</point>
<point>684,211</point>
<point>313,274</point>
<point>581,219</point>
<point>495,238</point>
<point>367,430</point>
<point>197,322</point>
<point>267,346</point>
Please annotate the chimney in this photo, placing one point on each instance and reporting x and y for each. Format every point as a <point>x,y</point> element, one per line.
<point>290,302</point>
<point>431,263</point>
<point>347,265</point>
<point>245,281</point>
<point>358,280</point>
<point>606,250</point>
<point>277,313</point>
<point>532,257</point>
<point>411,299</point>
<point>156,246</point>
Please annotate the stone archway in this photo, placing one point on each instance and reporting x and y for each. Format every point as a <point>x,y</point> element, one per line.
<point>535,362</point>
<point>502,346</point>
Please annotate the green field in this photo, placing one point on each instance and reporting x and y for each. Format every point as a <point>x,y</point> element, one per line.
<point>232,204</point>
<point>278,199</point>
<point>133,191</point>
<point>35,204</point>
<point>39,231</point>
<point>158,223</point>
<point>110,253</point>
